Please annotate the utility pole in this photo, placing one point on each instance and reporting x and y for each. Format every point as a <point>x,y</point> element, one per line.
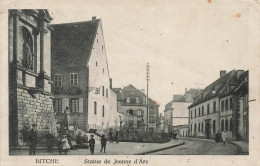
<point>147,79</point>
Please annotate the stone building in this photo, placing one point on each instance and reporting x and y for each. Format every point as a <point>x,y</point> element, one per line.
<point>81,75</point>
<point>221,106</point>
<point>30,97</point>
<point>132,104</point>
<point>176,112</point>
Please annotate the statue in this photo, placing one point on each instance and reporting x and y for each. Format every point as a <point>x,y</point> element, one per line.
<point>67,117</point>
<point>27,53</point>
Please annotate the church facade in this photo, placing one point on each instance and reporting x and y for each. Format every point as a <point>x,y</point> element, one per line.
<point>30,97</point>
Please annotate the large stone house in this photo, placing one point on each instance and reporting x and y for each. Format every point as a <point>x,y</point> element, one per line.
<point>132,104</point>
<point>221,106</point>
<point>30,97</point>
<point>81,76</point>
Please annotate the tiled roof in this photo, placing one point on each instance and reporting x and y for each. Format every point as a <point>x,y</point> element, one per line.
<point>73,42</point>
<point>217,85</point>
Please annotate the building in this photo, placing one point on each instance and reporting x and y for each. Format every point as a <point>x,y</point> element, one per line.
<point>81,76</point>
<point>176,112</point>
<point>132,104</point>
<point>221,106</point>
<point>30,97</point>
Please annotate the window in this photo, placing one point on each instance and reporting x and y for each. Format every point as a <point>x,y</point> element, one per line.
<point>57,80</point>
<point>226,105</point>
<point>226,125</point>
<point>103,111</point>
<point>139,112</point>
<point>199,111</point>
<point>57,103</point>
<point>230,125</point>
<point>191,128</point>
<point>74,79</point>
<point>96,64</point>
<point>191,114</point>
<point>102,47</point>
<point>128,100</point>
<point>202,110</point>
<point>137,100</point>
<point>199,127</point>
<point>95,108</point>
<point>222,105</point>
<point>103,70</point>
<point>214,106</point>
<point>195,113</point>
<point>74,105</point>
<point>97,40</point>
<point>106,93</point>
<point>151,119</point>
<point>103,90</point>
<point>222,125</point>
<point>207,108</point>
<point>202,126</point>
<point>131,112</point>
<point>231,103</point>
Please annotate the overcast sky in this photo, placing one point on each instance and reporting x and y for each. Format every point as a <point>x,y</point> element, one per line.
<point>184,42</point>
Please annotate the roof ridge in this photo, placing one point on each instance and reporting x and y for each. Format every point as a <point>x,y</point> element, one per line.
<point>79,22</point>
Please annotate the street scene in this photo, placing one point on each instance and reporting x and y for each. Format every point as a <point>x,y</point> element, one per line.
<point>63,100</point>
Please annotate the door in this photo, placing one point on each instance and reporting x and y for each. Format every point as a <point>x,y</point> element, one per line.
<point>207,128</point>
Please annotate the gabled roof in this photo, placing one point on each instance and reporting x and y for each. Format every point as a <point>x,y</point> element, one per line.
<point>223,86</point>
<point>73,42</point>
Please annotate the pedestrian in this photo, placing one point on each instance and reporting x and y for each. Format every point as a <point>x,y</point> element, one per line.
<point>92,144</point>
<point>103,143</point>
<point>117,134</point>
<point>224,138</point>
<point>65,144</point>
<point>217,137</point>
<point>32,137</point>
<point>111,135</point>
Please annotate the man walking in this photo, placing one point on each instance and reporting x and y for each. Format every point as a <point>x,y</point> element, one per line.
<point>224,138</point>
<point>92,144</point>
<point>32,137</point>
<point>103,143</point>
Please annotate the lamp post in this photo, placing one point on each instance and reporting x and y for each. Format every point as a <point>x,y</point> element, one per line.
<point>147,80</point>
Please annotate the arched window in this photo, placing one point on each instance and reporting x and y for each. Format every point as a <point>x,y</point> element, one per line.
<point>137,100</point>
<point>222,125</point>
<point>28,59</point>
<point>128,100</point>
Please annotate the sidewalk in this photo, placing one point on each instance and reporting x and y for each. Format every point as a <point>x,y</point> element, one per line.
<point>242,147</point>
<point>122,148</point>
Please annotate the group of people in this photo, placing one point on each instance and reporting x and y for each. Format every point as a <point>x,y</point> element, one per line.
<point>221,137</point>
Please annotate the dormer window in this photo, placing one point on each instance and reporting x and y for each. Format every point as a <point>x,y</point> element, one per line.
<point>137,100</point>
<point>128,100</point>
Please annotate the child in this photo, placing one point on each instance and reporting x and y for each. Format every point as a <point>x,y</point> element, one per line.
<point>65,144</point>
<point>92,144</point>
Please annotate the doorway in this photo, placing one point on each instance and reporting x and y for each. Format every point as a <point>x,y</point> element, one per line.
<point>207,128</point>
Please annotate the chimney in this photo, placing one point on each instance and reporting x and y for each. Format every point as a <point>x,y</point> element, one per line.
<point>222,73</point>
<point>143,91</point>
<point>110,81</point>
<point>94,18</point>
<point>239,72</point>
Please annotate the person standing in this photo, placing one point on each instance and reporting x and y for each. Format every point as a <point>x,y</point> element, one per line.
<point>111,135</point>
<point>103,143</point>
<point>224,138</point>
<point>65,144</point>
<point>92,144</point>
<point>32,137</point>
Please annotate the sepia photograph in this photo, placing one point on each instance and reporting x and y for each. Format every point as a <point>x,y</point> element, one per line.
<point>158,78</point>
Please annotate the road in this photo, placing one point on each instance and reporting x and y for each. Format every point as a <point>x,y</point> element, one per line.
<point>200,147</point>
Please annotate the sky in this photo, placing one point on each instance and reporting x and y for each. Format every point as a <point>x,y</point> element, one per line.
<point>185,43</point>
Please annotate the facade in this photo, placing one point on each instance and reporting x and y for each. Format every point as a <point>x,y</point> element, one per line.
<point>30,97</point>
<point>176,112</point>
<point>81,75</point>
<point>218,107</point>
<point>132,105</point>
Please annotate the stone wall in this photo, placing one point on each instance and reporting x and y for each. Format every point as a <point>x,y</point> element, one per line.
<point>35,109</point>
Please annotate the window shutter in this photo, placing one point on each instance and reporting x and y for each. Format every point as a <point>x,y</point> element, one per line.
<point>65,103</point>
<point>80,105</point>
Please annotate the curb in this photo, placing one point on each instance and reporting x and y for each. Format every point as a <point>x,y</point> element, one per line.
<point>157,150</point>
<point>239,149</point>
